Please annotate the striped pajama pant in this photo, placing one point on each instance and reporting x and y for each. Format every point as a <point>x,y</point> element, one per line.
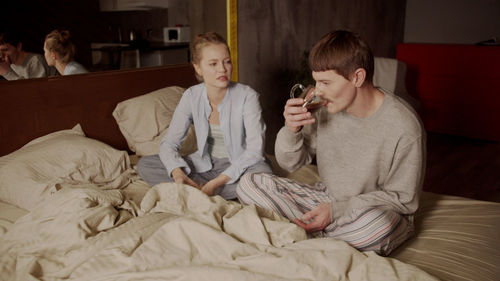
<point>367,229</point>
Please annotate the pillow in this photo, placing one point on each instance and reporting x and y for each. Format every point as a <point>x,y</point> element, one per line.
<point>390,74</point>
<point>31,173</point>
<point>143,121</point>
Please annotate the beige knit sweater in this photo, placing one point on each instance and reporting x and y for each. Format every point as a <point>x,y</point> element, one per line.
<point>364,162</point>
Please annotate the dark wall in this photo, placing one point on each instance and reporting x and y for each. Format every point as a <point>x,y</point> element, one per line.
<point>36,18</point>
<point>273,36</point>
<point>207,15</point>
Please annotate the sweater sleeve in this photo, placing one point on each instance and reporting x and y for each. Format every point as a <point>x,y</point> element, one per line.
<point>401,190</point>
<point>176,133</point>
<point>36,68</point>
<point>33,68</point>
<point>293,150</point>
<point>255,129</point>
<point>11,75</point>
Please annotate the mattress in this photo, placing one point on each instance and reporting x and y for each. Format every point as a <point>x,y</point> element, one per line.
<point>456,238</point>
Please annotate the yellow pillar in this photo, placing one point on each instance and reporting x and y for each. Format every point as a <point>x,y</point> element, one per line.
<point>232,34</point>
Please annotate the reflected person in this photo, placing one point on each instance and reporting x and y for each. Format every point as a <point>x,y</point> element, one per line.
<point>59,51</point>
<point>15,63</point>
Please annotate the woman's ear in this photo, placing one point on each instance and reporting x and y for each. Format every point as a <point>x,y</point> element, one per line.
<point>53,55</point>
<point>359,77</point>
<point>197,69</point>
<point>197,72</point>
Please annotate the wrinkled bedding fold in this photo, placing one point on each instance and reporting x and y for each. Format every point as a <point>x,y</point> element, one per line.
<point>177,233</point>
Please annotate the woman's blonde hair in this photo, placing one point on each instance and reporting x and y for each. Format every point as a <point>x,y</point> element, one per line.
<point>58,41</point>
<point>202,40</point>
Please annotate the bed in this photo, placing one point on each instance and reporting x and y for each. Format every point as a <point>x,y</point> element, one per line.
<point>72,206</point>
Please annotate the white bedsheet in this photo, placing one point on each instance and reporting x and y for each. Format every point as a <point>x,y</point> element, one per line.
<point>9,214</point>
<point>178,233</point>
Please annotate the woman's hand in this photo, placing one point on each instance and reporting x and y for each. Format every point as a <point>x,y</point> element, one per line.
<point>180,177</point>
<point>317,219</point>
<point>296,116</point>
<point>210,186</point>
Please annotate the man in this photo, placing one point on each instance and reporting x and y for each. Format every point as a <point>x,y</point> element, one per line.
<point>370,150</point>
<point>17,64</point>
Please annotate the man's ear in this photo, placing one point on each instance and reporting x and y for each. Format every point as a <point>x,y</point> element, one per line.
<point>359,77</point>
<point>19,46</point>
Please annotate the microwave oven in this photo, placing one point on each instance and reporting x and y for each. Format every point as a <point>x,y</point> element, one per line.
<point>176,34</point>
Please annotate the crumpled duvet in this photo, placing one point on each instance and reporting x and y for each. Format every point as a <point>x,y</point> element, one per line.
<point>177,233</point>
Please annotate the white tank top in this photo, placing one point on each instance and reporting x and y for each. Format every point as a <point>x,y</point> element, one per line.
<point>215,141</point>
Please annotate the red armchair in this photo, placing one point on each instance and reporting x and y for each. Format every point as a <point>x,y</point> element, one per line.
<point>457,86</point>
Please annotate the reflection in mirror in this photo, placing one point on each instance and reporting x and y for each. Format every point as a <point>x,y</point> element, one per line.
<point>109,35</point>
<point>59,52</point>
<point>15,62</point>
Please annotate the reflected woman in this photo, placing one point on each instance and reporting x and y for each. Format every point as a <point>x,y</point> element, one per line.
<point>59,52</point>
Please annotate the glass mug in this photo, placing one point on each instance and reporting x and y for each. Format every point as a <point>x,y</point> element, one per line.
<point>311,101</point>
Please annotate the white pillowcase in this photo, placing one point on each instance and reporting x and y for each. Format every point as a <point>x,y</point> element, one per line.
<point>31,173</point>
<point>144,120</point>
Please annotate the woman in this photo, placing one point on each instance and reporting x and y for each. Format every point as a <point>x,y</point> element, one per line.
<point>228,125</point>
<point>59,52</point>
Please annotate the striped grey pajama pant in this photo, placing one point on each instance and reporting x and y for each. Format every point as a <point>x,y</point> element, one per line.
<point>368,229</point>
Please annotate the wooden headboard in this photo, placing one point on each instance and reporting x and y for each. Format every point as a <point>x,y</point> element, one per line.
<point>35,107</point>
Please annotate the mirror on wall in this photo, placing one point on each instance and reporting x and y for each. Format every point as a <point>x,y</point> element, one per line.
<point>117,34</point>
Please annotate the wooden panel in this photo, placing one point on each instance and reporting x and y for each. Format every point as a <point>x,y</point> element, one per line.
<point>35,107</point>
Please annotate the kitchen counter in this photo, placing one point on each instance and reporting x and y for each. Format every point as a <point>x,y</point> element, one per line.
<point>142,45</point>
<point>139,53</point>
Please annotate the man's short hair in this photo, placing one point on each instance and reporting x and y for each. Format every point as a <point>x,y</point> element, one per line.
<point>9,38</point>
<point>344,52</point>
